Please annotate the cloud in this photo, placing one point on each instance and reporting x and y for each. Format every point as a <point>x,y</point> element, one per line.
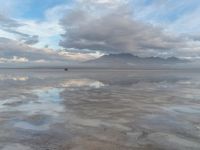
<point>11,26</point>
<point>86,29</point>
<point>25,38</point>
<point>14,59</point>
<point>11,49</point>
<point>45,32</point>
<point>6,22</point>
<point>30,40</point>
<point>74,55</point>
<point>16,22</point>
<point>116,30</point>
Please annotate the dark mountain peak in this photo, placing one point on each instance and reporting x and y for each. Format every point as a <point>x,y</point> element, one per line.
<point>173,58</point>
<point>124,55</point>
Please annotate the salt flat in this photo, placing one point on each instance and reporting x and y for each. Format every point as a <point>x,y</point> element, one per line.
<point>99,110</point>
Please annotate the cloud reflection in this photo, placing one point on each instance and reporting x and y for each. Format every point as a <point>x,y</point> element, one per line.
<point>82,83</point>
<point>13,77</point>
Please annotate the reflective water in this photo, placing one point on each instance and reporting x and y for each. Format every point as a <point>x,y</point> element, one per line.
<point>99,110</point>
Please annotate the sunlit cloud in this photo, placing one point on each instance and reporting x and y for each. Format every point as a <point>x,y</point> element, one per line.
<point>14,59</point>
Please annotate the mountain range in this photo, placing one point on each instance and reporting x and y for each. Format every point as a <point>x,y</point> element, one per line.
<point>126,59</point>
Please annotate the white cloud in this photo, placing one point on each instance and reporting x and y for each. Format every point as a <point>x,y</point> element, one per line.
<point>14,59</point>
<point>79,56</point>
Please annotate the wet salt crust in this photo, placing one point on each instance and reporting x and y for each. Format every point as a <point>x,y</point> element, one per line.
<point>97,109</point>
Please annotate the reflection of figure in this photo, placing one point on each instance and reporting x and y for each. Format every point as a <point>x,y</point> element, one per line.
<point>66,69</point>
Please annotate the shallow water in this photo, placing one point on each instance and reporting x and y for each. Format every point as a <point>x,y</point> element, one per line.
<point>99,110</point>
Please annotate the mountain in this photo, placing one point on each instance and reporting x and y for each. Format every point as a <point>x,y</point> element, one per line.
<point>126,59</point>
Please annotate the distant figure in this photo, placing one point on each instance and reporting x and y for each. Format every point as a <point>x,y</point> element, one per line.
<point>66,69</point>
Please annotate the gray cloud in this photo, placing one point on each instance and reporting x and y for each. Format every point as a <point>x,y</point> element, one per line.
<point>10,26</point>
<point>15,32</point>
<point>11,48</point>
<point>26,38</point>
<point>30,40</point>
<point>8,23</point>
<point>117,31</point>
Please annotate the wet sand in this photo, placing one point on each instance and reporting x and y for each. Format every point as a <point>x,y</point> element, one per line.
<point>99,110</point>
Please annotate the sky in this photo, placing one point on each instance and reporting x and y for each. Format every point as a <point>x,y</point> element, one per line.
<point>69,31</point>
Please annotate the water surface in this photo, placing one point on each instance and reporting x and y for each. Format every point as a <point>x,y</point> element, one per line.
<point>99,110</point>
